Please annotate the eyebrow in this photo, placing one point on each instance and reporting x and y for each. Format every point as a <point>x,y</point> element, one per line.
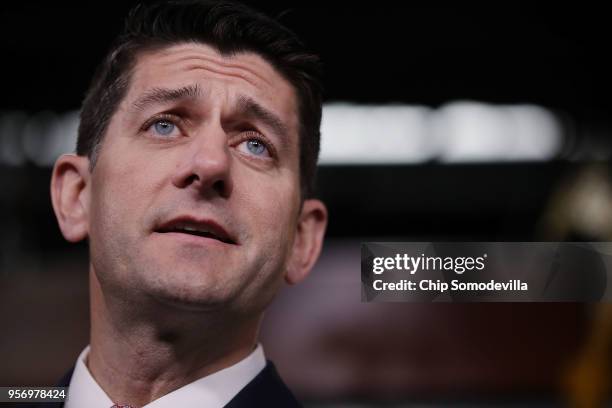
<point>248,107</point>
<point>164,95</point>
<point>245,105</point>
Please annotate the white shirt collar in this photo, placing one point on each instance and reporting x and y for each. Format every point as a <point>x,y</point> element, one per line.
<point>213,391</point>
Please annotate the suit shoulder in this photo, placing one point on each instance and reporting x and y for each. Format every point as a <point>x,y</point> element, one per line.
<point>267,389</point>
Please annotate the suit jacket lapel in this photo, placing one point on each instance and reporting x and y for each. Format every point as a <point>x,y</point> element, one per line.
<point>267,389</point>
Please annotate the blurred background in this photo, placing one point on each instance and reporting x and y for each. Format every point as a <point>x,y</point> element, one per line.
<point>471,123</point>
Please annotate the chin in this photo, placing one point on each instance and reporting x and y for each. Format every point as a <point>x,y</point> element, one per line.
<point>189,302</point>
<point>191,297</point>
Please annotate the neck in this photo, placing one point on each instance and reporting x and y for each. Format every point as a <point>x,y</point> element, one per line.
<point>141,352</point>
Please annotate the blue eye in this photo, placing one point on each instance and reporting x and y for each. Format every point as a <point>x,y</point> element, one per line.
<point>164,127</point>
<point>256,147</point>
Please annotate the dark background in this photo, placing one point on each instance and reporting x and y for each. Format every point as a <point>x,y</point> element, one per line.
<point>501,53</point>
<point>506,53</point>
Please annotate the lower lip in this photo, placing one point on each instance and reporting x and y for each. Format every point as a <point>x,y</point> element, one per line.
<point>193,239</point>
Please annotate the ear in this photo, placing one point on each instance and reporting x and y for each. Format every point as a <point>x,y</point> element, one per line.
<point>69,195</point>
<point>308,240</point>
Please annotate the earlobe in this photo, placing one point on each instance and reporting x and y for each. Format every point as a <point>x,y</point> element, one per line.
<point>308,240</point>
<point>69,191</point>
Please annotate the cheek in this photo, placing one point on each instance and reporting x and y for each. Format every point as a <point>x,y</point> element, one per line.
<point>121,190</point>
<point>272,201</point>
<point>270,207</point>
<point>111,208</point>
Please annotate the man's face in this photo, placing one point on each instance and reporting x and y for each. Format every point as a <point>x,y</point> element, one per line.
<point>194,198</point>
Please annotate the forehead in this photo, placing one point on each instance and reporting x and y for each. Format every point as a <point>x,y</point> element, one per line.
<point>244,73</point>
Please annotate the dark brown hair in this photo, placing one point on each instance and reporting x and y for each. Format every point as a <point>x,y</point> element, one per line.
<point>229,27</point>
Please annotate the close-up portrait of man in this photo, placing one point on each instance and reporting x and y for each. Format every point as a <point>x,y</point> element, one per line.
<point>246,203</point>
<point>192,183</point>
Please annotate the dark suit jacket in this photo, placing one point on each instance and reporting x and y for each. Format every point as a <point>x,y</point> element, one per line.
<point>266,390</point>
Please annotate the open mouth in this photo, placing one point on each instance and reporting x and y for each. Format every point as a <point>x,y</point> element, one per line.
<point>200,229</point>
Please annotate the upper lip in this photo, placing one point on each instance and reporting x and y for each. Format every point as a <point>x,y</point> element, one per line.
<point>193,224</point>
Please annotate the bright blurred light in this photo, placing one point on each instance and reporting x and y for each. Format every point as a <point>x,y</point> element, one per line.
<point>476,132</point>
<point>40,138</point>
<point>47,135</point>
<point>456,132</point>
<point>62,137</point>
<point>351,134</point>
<point>375,134</point>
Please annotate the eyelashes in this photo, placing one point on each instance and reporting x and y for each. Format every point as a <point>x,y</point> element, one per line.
<point>163,124</point>
<point>247,140</point>
<point>253,143</point>
<point>173,121</point>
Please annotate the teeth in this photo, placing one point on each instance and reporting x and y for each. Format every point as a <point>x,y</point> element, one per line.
<point>204,231</point>
<point>190,228</point>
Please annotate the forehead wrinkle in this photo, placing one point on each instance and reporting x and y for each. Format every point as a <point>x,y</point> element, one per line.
<point>225,66</point>
<point>160,95</point>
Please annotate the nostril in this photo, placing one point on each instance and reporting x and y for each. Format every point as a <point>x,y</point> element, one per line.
<point>220,187</point>
<point>191,179</point>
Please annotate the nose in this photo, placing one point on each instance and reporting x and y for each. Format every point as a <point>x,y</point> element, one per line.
<point>206,163</point>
